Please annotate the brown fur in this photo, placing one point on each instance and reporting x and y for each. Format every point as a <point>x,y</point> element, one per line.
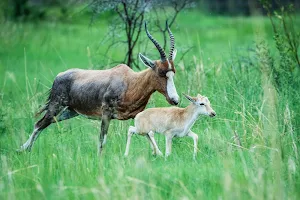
<point>117,93</point>
<point>140,86</point>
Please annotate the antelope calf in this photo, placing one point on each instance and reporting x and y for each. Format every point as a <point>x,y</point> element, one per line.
<point>171,121</point>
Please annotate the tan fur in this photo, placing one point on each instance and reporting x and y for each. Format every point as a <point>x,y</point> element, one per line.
<point>160,119</point>
<point>171,121</point>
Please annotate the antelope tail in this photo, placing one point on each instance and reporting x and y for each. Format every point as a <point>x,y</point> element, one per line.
<point>45,107</point>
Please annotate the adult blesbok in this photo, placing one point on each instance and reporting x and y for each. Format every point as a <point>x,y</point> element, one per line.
<point>117,93</point>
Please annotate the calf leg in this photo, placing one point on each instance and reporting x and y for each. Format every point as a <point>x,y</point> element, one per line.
<point>154,146</point>
<point>168,145</point>
<point>195,138</point>
<point>131,131</point>
<point>151,144</point>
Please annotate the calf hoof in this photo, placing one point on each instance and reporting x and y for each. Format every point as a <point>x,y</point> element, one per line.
<point>160,153</point>
<point>157,154</point>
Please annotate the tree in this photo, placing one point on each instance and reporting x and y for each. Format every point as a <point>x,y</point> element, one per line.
<point>22,10</point>
<point>130,17</point>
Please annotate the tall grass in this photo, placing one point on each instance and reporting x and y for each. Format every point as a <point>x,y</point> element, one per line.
<point>249,151</point>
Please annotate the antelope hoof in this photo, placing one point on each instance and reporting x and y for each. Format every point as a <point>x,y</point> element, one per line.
<point>22,149</point>
<point>100,151</point>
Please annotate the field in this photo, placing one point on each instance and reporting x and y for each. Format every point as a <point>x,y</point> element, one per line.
<point>222,65</point>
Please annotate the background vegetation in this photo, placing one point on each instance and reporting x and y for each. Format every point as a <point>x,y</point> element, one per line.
<point>249,151</point>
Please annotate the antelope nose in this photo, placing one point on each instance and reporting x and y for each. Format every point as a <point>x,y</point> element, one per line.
<point>175,101</point>
<point>213,114</point>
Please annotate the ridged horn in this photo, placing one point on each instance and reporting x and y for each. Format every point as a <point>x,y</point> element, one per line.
<point>161,51</point>
<point>172,42</point>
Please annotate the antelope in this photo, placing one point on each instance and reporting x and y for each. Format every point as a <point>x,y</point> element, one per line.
<point>171,121</point>
<point>116,93</point>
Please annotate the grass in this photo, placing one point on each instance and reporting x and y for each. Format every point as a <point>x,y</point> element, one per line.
<point>222,65</point>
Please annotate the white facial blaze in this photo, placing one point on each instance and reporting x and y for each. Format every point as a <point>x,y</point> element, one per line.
<point>104,140</point>
<point>171,90</point>
<point>169,65</point>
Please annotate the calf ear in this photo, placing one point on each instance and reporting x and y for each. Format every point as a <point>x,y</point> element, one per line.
<point>189,98</point>
<point>148,62</point>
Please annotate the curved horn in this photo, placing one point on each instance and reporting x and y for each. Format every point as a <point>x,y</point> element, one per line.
<point>161,51</point>
<point>172,39</point>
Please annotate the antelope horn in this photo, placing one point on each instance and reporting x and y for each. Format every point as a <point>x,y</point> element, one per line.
<point>172,40</point>
<point>161,51</point>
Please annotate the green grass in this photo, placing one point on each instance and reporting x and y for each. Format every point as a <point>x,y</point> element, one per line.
<point>64,163</point>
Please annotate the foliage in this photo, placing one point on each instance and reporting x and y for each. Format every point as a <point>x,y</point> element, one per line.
<point>249,151</point>
<point>131,16</point>
<point>33,10</point>
<point>287,42</point>
<point>238,7</point>
<point>285,72</point>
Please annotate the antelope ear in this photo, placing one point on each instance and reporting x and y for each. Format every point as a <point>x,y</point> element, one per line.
<point>174,54</point>
<point>189,98</point>
<point>147,61</point>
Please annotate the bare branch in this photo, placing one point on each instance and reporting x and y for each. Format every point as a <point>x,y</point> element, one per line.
<point>120,14</point>
<point>185,52</point>
<point>139,31</point>
<point>130,17</point>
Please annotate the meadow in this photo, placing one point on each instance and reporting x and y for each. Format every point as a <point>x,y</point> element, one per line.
<point>249,151</point>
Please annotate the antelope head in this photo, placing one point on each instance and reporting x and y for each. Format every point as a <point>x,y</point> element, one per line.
<point>163,68</point>
<point>202,105</point>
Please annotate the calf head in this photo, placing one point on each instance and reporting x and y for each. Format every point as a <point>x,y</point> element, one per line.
<point>202,105</point>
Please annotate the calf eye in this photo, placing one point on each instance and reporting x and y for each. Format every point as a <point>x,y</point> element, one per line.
<point>201,104</point>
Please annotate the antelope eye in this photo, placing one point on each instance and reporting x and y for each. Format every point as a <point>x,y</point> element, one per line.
<point>201,104</point>
<point>162,73</point>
